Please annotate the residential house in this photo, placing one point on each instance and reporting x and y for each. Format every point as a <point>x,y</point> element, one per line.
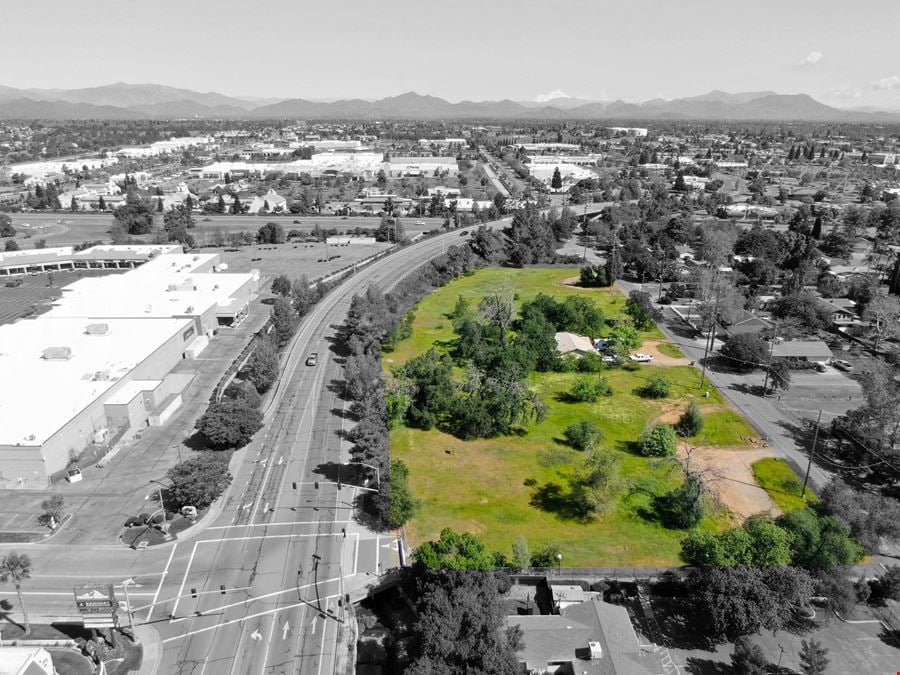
<point>804,350</point>
<point>573,343</point>
<point>271,202</point>
<point>590,637</point>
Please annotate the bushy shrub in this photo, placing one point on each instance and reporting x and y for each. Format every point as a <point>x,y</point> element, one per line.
<point>691,421</point>
<point>588,389</point>
<point>583,435</point>
<point>659,386</point>
<point>657,441</point>
<point>590,363</point>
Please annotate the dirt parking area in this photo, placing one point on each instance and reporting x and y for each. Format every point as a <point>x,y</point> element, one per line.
<point>728,473</point>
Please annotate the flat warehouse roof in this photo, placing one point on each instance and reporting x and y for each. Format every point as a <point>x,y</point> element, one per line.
<point>40,395</point>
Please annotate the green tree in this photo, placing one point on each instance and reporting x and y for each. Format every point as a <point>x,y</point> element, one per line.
<point>819,540</point>
<point>623,339</point>
<point>433,389</point>
<point>281,285</point>
<point>229,424</point>
<point>745,352</point>
<point>285,319</point>
<point>454,551</point>
<point>263,365</point>
<point>6,226</point>
<point>658,440</point>
<point>220,206</point>
<point>11,245</point>
<point>16,568</point>
<point>599,480</point>
<point>583,435</point>
<point>640,308</point>
<point>556,181</point>
<point>101,204</point>
<point>271,233</point>
<point>199,481</point>
<point>887,586</point>
<point>658,386</point>
<point>521,556</point>
<point>402,503</point>
<point>177,222</point>
<point>134,215</point>
<point>813,659</point>
<point>460,627</point>
<point>683,507</point>
<point>74,205</point>
<point>736,601</point>
<point>691,421</point>
<point>589,388</point>
<point>52,511</point>
<point>748,658</point>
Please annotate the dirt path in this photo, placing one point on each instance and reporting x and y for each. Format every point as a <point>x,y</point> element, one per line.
<point>728,474</point>
<point>651,347</point>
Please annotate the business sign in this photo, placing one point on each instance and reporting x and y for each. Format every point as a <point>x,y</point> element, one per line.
<point>97,604</point>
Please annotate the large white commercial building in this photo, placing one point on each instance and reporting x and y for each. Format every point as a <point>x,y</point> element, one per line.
<point>99,364</point>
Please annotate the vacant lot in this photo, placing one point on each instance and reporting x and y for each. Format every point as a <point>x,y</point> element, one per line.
<point>66,229</point>
<point>504,487</point>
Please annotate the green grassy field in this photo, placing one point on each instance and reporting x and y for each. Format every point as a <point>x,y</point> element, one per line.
<point>782,484</point>
<point>489,486</point>
<point>669,349</point>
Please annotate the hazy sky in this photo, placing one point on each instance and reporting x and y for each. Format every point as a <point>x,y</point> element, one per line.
<point>843,53</point>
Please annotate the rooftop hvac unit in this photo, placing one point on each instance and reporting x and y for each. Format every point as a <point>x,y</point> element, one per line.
<point>30,437</point>
<point>97,329</point>
<point>57,353</point>
<point>148,309</point>
<point>101,375</point>
<point>189,310</point>
<point>596,650</point>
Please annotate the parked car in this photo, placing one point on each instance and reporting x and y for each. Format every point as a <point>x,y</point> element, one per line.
<point>840,364</point>
<point>612,359</point>
<point>641,358</point>
<point>312,359</point>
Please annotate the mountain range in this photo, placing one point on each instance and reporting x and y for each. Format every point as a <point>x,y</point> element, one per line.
<point>152,101</point>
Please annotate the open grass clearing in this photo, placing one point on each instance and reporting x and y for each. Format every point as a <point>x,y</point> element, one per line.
<point>782,484</point>
<point>502,488</point>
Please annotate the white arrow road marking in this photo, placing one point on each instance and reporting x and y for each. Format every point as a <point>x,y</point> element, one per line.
<point>256,635</point>
<point>285,629</point>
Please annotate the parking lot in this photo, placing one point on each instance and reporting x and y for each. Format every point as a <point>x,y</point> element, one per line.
<point>35,293</point>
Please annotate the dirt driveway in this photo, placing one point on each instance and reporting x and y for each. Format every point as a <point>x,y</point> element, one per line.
<point>728,474</point>
<point>651,347</point>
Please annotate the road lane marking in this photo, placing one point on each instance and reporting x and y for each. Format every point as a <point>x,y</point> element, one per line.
<point>184,579</point>
<point>161,580</point>
<point>250,616</point>
<point>254,598</point>
<point>276,524</point>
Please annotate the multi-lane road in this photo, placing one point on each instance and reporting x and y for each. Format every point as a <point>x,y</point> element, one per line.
<point>261,589</point>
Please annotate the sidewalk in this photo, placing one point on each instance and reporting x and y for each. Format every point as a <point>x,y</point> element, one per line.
<point>153,651</point>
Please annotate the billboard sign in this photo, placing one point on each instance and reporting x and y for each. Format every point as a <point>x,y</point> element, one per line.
<point>97,604</point>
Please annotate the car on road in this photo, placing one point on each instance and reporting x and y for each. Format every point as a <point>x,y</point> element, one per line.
<point>840,364</point>
<point>641,357</point>
<point>312,359</point>
<point>420,222</point>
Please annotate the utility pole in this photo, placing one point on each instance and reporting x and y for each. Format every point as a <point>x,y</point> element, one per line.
<point>812,452</point>
<point>584,232</point>
<point>711,338</point>
<point>769,361</point>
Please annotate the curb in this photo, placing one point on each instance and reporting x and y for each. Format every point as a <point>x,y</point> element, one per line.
<point>151,658</point>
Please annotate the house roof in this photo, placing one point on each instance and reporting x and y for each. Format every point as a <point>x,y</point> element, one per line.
<point>812,349</point>
<point>550,639</point>
<point>573,342</point>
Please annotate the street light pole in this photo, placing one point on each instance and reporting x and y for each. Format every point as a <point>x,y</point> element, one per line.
<point>134,638</point>
<point>162,506</point>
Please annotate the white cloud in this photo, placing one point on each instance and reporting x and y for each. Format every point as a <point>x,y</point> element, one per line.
<point>814,58</point>
<point>889,82</point>
<point>556,93</point>
<point>843,92</point>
